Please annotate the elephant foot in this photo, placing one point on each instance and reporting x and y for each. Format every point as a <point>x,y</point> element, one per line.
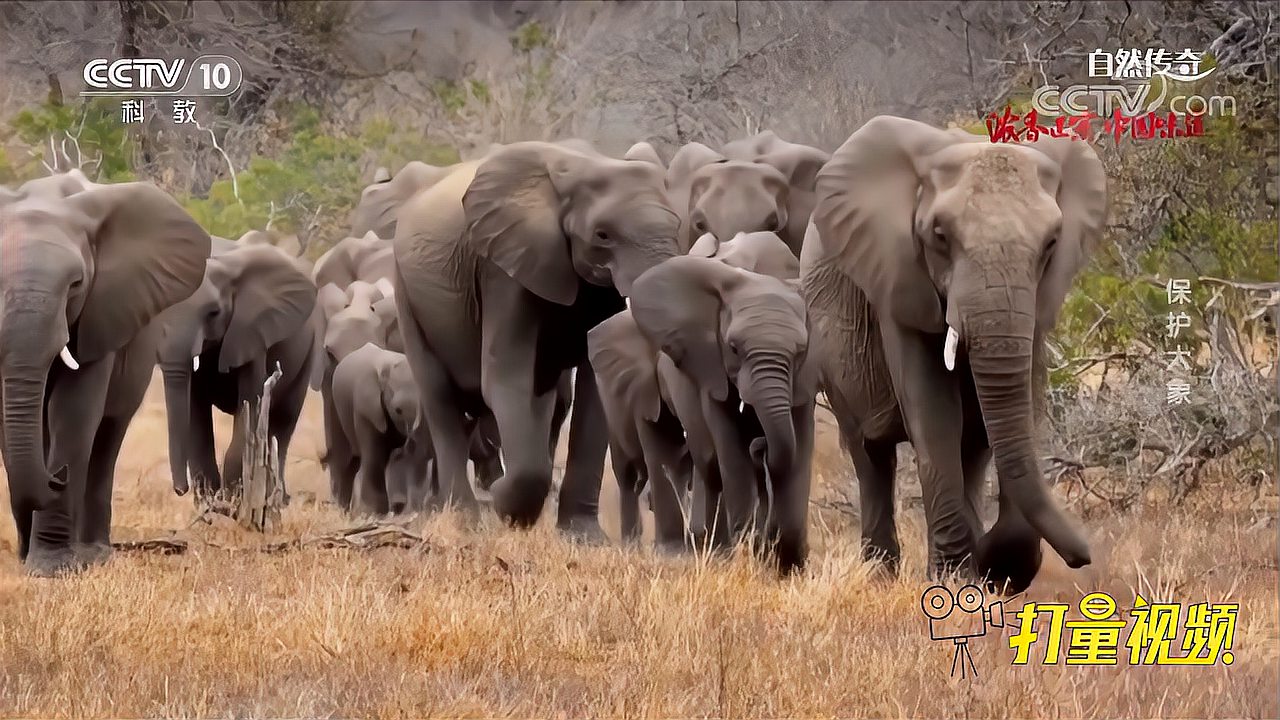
<point>671,548</point>
<point>94,553</point>
<point>1008,560</point>
<point>583,529</point>
<point>47,562</point>
<point>520,502</point>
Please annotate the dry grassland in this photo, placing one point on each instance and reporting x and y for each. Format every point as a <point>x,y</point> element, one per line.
<point>499,623</point>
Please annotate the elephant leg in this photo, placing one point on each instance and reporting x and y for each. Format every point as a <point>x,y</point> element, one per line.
<point>627,476</point>
<point>507,379</point>
<point>283,422</point>
<point>931,406</point>
<point>578,510</point>
<point>375,451</point>
<point>74,411</point>
<point>339,457</point>
<point>737,473</point>
<point>233,458</point>
<point>442,414</point>
<point>661,458</point>
<point>202,455</point>
<point>95,521</point>
<point>876,465</point>
<point>564,399</point>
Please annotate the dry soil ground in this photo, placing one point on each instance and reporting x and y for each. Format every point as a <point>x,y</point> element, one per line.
<point>524,624</point>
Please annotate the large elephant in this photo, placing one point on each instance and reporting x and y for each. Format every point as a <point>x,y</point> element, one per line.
<point>86,269</point>
<point>798,163</point>
<point>501,268</point>
<point>743,340</point>
<point>380,202</point>
<point>251,313</point>
<point>936,263</point>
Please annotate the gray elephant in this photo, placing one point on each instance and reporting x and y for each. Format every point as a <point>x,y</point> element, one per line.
<point>251,313</point>
<point>381,201</point>
<point>646,439</point>
<point>742,339</point>
<point>86,270</point>
<point>936,263</point>
<point>640,404</point>
<point>798,163</point>
<point>377,402</point>
<point>502,267</point>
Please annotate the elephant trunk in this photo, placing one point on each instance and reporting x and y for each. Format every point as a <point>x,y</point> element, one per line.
<point>25,369</point>
<point>999,332</point>
<point>770,396</point>
<point>177,402</point>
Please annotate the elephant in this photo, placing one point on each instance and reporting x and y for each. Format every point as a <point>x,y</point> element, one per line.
<point>646,440</point>
<point>501,268</point>
<point>381,201</point>
<point>87,269</point>
<point>639,405</point>
<point>250,315</point>
<point>742,339</point>
<point>377,402</point>
<point>935,265</point>
<point>367,257</point>
<point>798,163</point>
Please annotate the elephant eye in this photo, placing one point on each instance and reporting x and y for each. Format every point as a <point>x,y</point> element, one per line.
<point>733,346</point>
<point>602,235</point>
<point>940,236</point>
<point>700,225</point>
<point>771,222</point>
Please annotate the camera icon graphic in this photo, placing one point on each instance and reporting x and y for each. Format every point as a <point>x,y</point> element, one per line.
<point>959,617</point>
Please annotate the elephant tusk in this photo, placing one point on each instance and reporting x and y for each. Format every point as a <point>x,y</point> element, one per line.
<point>67,359</point>
<point>949,348</point>
<point>385,287</point>
<point>195,363</point>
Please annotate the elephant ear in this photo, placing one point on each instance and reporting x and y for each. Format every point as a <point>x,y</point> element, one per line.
<point>512,212</point>
<point>368,388</point>
<point>677,306</point>
<point>798,163</point>
<point>149,254</point>
<point>1082,198</point>
<point>760,252</point>
<point>646,152</point>
<point>330,300</point>
<point>623,361</point>
<point>864,214</point>
<point>272,301</point>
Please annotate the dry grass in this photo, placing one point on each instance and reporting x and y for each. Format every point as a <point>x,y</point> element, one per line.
<point>503,623</point>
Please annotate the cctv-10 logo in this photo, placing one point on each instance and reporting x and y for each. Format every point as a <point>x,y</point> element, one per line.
<point>1158,633</point>
<point>207,75</point>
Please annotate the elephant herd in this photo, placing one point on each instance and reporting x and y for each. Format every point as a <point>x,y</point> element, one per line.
<point>682,315</point>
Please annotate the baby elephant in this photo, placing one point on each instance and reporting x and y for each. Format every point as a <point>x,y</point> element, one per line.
<point>377,406</point>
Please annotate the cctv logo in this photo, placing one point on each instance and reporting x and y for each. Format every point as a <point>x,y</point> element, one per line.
<point>133,74</point>
<point>960,617</point>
